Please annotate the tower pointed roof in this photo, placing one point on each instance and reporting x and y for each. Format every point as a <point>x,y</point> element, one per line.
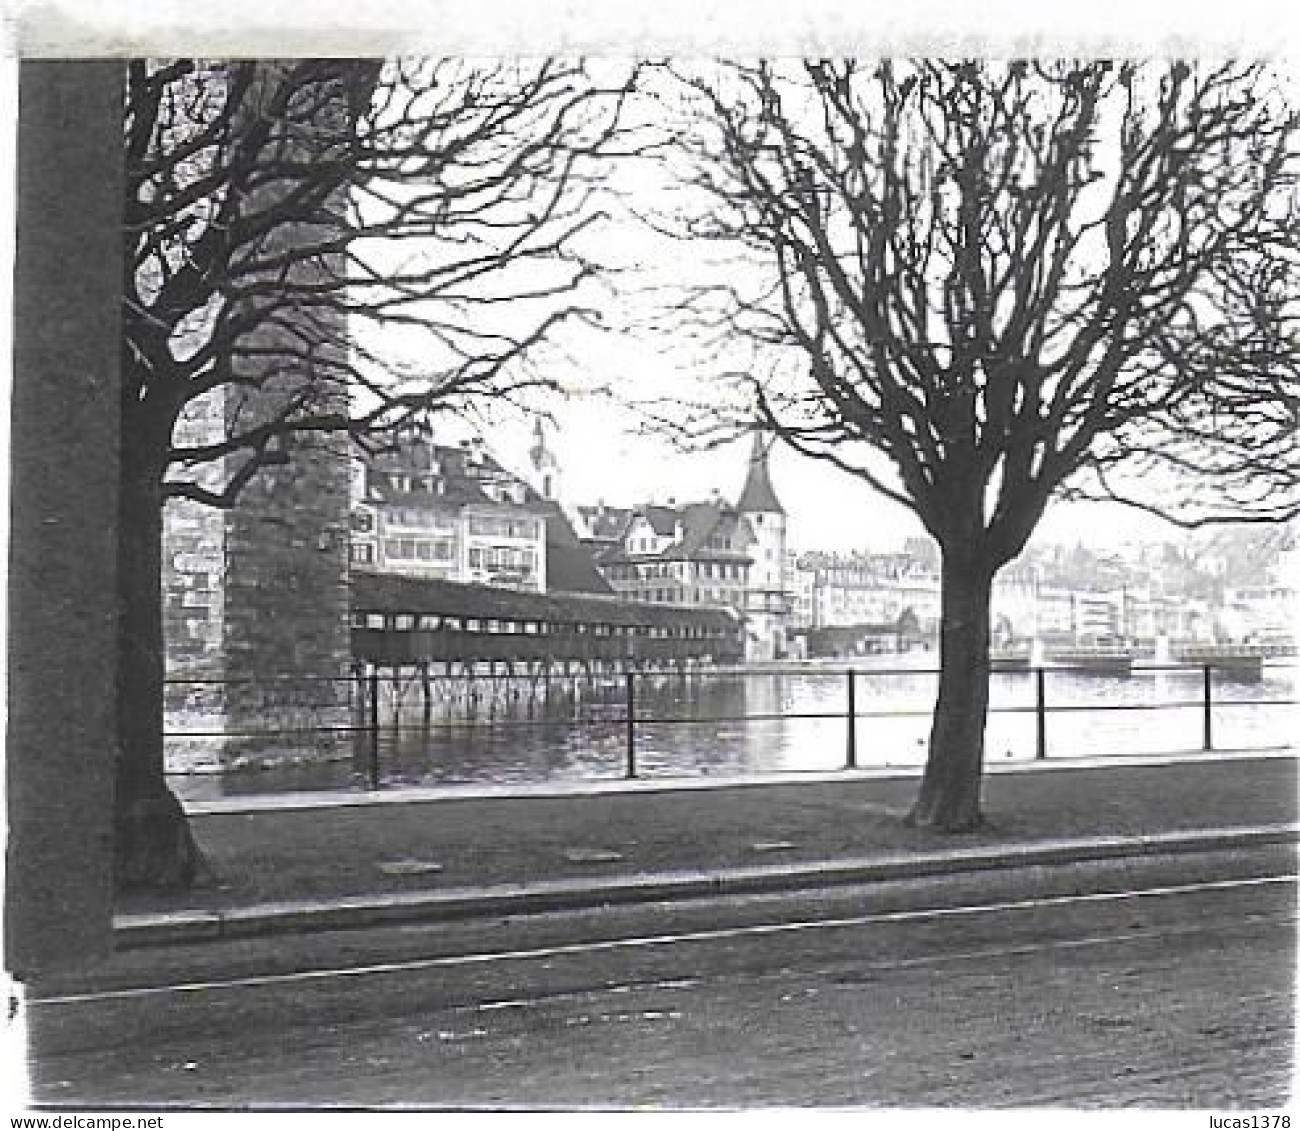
<point>757,495</point>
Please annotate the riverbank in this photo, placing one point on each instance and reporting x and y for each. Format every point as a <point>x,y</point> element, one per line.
<point>359,852</point>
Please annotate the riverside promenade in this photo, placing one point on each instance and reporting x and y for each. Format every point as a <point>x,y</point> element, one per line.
<point>323,861</point>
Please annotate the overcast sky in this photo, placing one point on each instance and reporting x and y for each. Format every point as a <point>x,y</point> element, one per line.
<point>606,453</point>
<point>607,450</point>
<point>602,456</point>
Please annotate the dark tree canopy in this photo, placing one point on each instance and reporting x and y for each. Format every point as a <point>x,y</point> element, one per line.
<point>1014,279</point>
<point>279,217</point>
<point>981,285</point>
<point>279,213</point>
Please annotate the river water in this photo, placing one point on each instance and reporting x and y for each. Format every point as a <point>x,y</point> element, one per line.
<point>765,721</point>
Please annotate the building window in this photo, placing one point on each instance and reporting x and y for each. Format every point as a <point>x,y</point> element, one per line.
<point>491,527</point>
<point>363,553</point>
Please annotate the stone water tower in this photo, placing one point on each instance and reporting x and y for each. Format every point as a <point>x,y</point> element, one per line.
<point>767,596</point>
<point>256,596</point>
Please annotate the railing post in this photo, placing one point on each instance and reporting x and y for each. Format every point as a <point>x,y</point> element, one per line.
<point>374,726</point>
<point>851,751</point>
<point>1040,713</point>
<point>1207,708</point>
<point>631,724</point>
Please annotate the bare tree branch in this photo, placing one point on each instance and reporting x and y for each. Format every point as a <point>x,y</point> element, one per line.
<point>1009,277</point>
<point>282,216</point>
<point>1011,281</point>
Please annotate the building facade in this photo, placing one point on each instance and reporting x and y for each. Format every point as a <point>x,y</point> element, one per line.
<point>842,590</point>
<point>695,555</point>
<point>703,554</point>
<point>449,513</point>
<point>441,513</point>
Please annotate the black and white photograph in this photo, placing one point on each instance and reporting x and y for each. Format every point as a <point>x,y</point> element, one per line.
<point>723,562</point>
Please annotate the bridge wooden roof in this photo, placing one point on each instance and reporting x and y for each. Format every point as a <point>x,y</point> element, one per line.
<point>387,593</point>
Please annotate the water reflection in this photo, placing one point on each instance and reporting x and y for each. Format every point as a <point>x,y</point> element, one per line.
<point>716,724</point>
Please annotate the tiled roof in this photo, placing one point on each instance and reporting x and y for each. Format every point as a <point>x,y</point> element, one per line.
<point>569,568</point>
<point>414,457</point>
<point>698,522</point>
<point>663,520</point>
<point>390,593</point>
<point>462,484</point>
<point>606,522</point>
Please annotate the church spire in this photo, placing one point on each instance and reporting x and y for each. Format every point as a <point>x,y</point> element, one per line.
<point>544,462</point>
<point>757,494</point>
<point>538,453</point>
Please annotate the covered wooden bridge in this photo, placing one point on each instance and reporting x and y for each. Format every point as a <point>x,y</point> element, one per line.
<point>410,622</point>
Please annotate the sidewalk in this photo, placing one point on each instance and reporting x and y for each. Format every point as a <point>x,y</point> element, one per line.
<point>320,863</point>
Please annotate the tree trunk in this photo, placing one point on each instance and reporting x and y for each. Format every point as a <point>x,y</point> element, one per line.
<point>949,799</point>
<point>153,846</point>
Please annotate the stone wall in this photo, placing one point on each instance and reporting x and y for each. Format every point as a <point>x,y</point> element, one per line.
<point>194,567</point>
<point>285,635</point>
<point>255,602</point>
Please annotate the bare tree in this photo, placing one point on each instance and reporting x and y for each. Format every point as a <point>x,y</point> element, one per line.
<point>977,286</point>
<point>279,213</point>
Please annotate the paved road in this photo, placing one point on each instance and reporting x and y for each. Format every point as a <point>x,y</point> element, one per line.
<point>1162,982</point>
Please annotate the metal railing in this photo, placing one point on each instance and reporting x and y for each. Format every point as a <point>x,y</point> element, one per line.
<point>366,686</point>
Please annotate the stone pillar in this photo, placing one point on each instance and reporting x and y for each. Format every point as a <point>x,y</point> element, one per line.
<point>62,722</point>
<point>256,618</point>
<point>285,633</point>
<point>256,595</point>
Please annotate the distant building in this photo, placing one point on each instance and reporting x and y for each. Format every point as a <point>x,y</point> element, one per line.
<point>454,513</point>
<point>867,589</point>
<point>1260,614</point>
<point>705,554</point>
<point>803,593</point>
<point>697,554</point>
<point>844,590</point>
<point>768,599</point>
